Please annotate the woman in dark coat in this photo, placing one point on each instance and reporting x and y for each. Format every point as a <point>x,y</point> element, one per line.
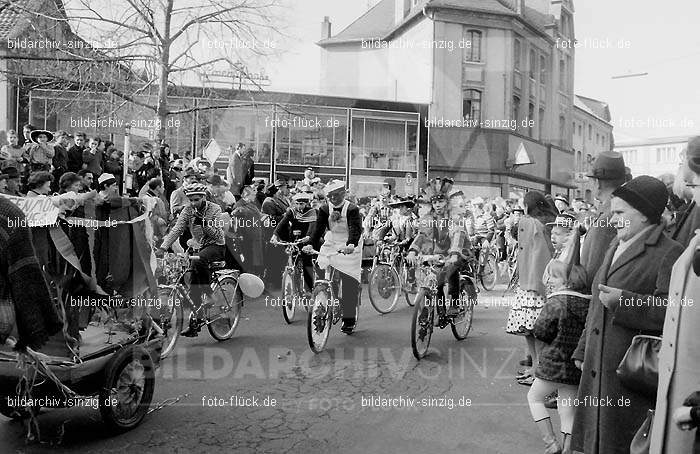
<point>630,293</point>
<point>248,224</point>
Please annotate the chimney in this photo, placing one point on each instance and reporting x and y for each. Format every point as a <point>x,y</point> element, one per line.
<point>326,28</point>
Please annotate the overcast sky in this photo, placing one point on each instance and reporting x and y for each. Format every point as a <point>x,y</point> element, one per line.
<point>662,38</point>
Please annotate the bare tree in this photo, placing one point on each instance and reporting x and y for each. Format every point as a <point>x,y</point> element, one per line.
<point>142,51</point>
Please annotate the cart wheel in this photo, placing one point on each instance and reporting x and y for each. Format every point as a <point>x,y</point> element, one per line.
<point>16,413</point>
<point>129,381</point>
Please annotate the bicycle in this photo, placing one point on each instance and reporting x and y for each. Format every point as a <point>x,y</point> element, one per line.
<point>389,278</point>
<point>293,289</point>
<point>426,305</point>
<point>487,265</point>
<point>220,312</point>
<point>512,261</point>
<point>325,307</point>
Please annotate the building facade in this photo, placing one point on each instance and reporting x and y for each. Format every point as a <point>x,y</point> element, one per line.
<point>364,142</point>
<point>653,157</point>
<point>497,76</point>
<point>591,134</point>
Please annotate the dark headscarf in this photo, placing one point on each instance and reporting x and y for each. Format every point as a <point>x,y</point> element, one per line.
<point>539,207</point>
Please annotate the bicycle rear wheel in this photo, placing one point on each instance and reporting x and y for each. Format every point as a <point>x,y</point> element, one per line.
<point>422,325</point>
<point>320,319</point>
<point>462,324</point>
<point>384,288</point>
<point>489,272</point>
<point>225,313</point>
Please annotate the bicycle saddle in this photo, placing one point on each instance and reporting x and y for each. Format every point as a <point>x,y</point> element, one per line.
<point>217,265</point>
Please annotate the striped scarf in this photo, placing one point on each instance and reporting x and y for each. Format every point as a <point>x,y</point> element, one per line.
<point>308,216</point>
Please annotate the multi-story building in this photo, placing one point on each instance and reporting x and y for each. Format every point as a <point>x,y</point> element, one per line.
<point>497,76</point>
<point>591,134</point>
<point>653,156</point>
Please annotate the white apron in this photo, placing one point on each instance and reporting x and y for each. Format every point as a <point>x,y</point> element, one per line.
<point>336,238</point>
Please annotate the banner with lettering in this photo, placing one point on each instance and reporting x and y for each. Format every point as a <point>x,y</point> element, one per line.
<point>40,211</point>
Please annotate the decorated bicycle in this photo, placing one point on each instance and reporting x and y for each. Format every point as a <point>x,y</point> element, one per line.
<point>391,275</point>
<point>340,224</point>
<point>447,292</point>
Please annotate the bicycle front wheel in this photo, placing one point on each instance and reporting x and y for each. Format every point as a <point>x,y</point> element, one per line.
<point>422,325</point>
<point>489,272</point>
<point>462,324</point>
<point>225,313</point>
<point>289,296</point>
<point>384,288</point>
<point>320,319</point>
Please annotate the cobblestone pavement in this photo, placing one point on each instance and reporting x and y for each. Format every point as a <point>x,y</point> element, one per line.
<point>265,392</point>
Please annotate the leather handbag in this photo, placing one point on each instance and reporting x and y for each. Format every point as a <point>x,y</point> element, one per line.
<point>641,442</point>
<point>639,368</point>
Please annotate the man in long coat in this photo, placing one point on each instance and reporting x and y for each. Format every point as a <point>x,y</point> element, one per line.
<point>629,297</point>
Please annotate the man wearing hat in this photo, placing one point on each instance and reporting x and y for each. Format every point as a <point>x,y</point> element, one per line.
<point>178,199</point>
<point>40,152</point>
<point>275,205</point>
<point>201,218</point>
<point>340,224</point>
<point>12,181</point>
<point>608,171</point>
<point>298,218</point>
<point>629,296</point>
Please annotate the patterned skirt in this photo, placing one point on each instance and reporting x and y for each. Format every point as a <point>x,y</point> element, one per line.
<point>524,311</point>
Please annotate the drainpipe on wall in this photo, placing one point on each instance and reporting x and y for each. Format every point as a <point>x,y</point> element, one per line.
<point>430,105</point>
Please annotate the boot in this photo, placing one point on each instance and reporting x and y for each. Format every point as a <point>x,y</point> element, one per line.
<point>550,441</point>
<point>566,444</point>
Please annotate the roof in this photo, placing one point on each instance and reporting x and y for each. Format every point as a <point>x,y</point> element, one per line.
<point>598,108</point>
<point>652,141</point>
<point>378,22</point>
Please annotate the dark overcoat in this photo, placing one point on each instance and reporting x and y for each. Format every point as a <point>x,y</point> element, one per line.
<point>643,272</point>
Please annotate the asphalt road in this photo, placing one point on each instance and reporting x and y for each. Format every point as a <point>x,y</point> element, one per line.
<point>265,391</point>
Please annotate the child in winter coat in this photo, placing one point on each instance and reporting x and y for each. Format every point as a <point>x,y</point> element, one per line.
<point>559,326</point>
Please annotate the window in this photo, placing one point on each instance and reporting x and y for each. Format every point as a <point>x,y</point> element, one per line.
<point>590,132</point>
<point>562,75</point>
<point>541,124</point>
<point>562,130</point>
<point>406,7</point>
<point>516,108</point>
<point>530,119</point>
<point>471,105</point>
<point>472,51</point>
<point>533,64</point>
<point>516,55</point>
<point>579,130</point>
<point>597,138</point>
<point>543,69</point>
